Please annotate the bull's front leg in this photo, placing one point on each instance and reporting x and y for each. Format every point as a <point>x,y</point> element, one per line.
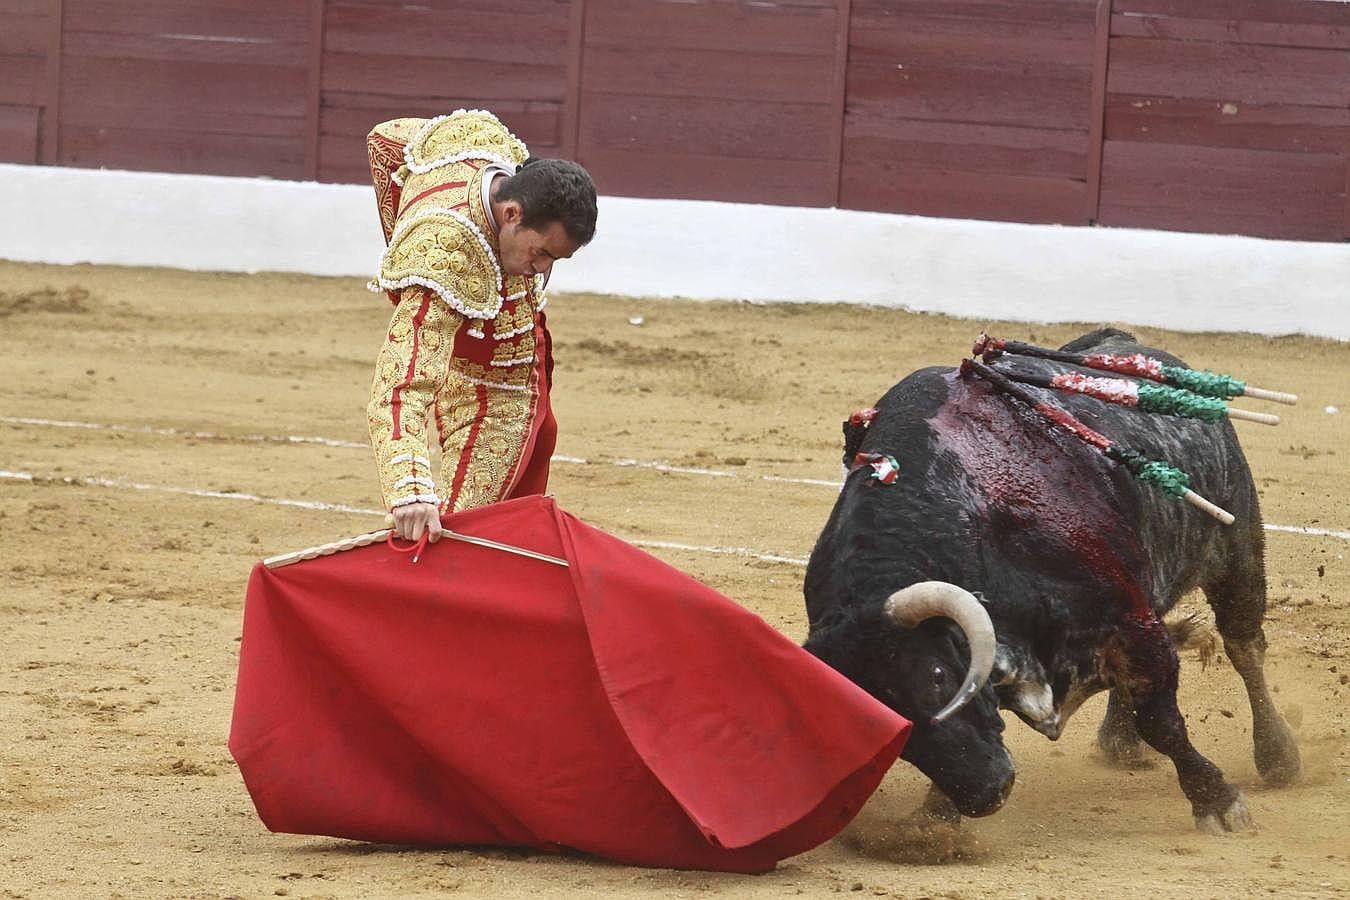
<point>1152,668</point>
<point>1117,737</point>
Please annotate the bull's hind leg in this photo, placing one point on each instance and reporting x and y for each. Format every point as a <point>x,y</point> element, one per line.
<point>1238,598</point>
<point>1276,751</point>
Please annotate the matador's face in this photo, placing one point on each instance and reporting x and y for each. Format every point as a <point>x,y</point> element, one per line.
<point>527,251</point>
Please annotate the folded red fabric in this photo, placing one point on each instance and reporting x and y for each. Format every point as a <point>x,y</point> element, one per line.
<point>616,706</point>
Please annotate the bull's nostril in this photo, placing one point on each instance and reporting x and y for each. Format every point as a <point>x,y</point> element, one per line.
<point>1007,789</point>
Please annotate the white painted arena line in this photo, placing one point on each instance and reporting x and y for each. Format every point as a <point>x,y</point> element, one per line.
<point>118,484</point>
<point>1340,534</point>
<point>184,433</point>
<point>355,445</point>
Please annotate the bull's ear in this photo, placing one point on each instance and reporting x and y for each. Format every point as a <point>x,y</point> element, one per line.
<point>979,595</point>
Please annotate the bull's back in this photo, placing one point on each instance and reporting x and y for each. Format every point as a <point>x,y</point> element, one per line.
<point>988,487</point>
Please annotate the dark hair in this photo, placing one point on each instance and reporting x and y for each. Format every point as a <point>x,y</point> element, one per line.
<point>552,190</point>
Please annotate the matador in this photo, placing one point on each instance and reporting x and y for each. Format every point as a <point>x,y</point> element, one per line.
<point>473,226</point>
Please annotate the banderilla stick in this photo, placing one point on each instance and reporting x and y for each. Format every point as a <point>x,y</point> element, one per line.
<point>1152,398</point>
<point>1160,474</point>
<point>1209,384</point>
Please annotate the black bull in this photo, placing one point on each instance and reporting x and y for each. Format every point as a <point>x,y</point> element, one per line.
<point>1075,563</point>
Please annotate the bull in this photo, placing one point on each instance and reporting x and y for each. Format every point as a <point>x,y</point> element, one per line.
<point>1011,565</point>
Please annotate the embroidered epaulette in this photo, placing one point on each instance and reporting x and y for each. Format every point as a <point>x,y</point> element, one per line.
<point>442,250</point>
<point>464,134</point>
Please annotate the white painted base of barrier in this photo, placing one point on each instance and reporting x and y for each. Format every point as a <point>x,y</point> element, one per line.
<point>707,250</point>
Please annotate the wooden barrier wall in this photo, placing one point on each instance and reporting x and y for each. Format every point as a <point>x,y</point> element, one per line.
<point>1227,116</point>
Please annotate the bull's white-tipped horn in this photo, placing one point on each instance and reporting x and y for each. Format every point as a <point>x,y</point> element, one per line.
<point>910,606</point>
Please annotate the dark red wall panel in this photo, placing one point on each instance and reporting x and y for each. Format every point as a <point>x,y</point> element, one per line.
<point>970,109</point>
<point>1198,115</point>
<point>1223,190</point>
<point>384,60</point>
<point>711,99</point>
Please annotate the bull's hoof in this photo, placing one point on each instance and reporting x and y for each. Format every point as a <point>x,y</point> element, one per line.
<point>1235,818</point>
<point>1277,758</point>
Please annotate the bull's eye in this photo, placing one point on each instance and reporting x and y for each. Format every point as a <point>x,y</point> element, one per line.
<point>939,676</point>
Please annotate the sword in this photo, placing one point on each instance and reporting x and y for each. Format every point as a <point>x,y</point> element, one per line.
<point>374,537</point>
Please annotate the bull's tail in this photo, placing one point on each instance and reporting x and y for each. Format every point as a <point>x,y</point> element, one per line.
<point>1192,632</point>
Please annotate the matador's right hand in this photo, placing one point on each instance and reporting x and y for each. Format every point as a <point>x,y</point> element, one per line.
<point>411,520</point>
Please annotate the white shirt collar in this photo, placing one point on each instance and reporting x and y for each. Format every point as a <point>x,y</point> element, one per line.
<point>489,175</point>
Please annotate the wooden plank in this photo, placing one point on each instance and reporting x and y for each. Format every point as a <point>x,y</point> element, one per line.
<point>1280,34</point>
<point>933,40</point>
<point>838,98</point>
<point>790,131</point>
<point>313,87</point>
<point>694,176</point>
<point>1245,223</point>
<point>1239,73</point>
<point>355,115</point>
<point>1041,96</point>
<point>1345,202</point>
<point>25,33</point>
<point>576,55</point>
<point>1101,44</point>
<point>344,160</point>
<point>889,187</point>
<point>23,80</point>
<point>163,150</point>
<point>19,134</point>
<point>751,75</point>
<point>1253,192</point>
<point>1211,123</point>
<point>989,149</point>
<point>238,19</point>
<point>725,27</point>
<point>507,9</point>
<point>872,25</point>
<point>1014,12</point>
<point>536,126</point>
<point>186,48</point>
<point>1297,12</point>
<point>148,86</point>
<point>338,170</point>
<point>49,138</point>
<point>486,81</point>
<point>539,37</point>
<point>183,117</point>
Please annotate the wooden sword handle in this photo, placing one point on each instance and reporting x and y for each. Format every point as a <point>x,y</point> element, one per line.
<point>351,543</point>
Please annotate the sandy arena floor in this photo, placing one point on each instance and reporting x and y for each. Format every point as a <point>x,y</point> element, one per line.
<point>128,394</point>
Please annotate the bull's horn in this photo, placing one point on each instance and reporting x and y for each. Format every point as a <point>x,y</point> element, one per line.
<point>910,606</point>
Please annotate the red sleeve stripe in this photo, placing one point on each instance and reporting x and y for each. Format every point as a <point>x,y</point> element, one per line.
<point>527,440</point>
<point>466,454</point>
<point>396,401</point>
<point>433,190</point>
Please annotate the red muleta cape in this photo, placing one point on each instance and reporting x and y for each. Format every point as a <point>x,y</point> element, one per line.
<point>617,706</point>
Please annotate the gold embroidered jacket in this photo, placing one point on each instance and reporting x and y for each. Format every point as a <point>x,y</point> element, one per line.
<point>461,346</point>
